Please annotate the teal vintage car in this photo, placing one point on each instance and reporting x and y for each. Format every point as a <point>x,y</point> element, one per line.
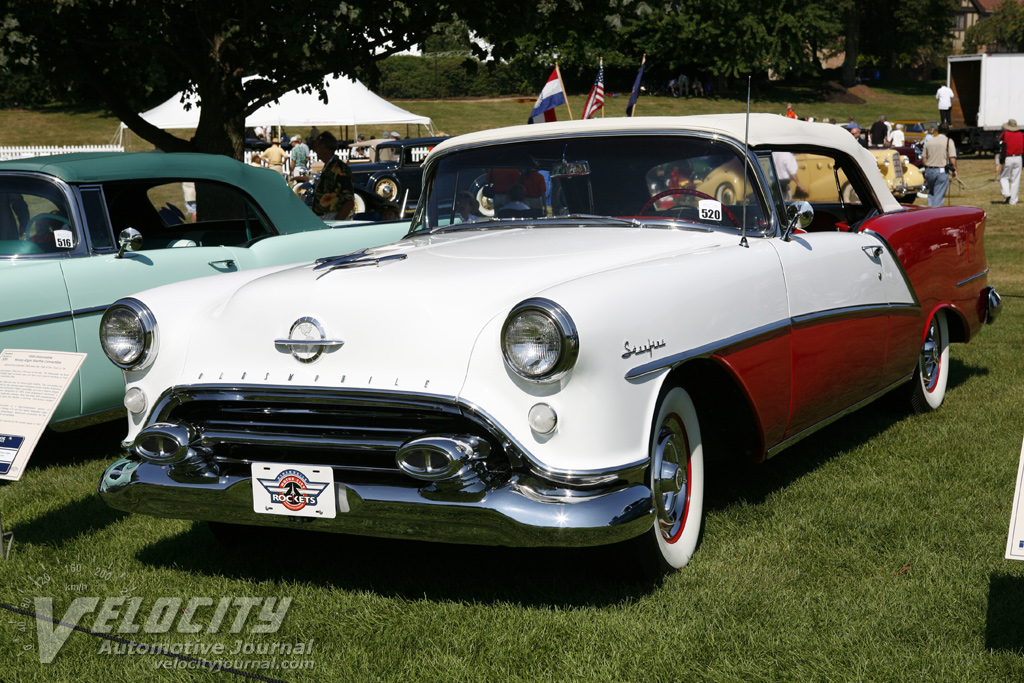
<point>79,231</point>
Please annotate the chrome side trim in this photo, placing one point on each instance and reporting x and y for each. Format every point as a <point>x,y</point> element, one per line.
<point>972,278</point>
<point>767,332</point>
<point>845,313</point>
<point>756,335</point>
<point>53,316</point>
<point>776,449</point>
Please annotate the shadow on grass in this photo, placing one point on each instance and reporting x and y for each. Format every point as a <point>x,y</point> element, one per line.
<point>1004,623</point>
<point>98,442</point>
<point>83,516</point>
<point>413,570</point>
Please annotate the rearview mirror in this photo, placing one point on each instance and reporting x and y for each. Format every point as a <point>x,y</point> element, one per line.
<point>570,169</point>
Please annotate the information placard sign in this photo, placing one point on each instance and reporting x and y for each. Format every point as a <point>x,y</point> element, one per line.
<point>32,383</point>
<point>1015,540</point>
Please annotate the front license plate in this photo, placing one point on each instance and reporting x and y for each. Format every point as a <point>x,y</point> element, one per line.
<point>293,490</point>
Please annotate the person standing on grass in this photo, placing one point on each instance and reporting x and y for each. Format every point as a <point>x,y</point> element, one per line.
<point>1009,180</point>
<point>939,157</point>
<point>945,96</point>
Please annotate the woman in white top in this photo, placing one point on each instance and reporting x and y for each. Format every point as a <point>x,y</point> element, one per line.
<point>896,136</point>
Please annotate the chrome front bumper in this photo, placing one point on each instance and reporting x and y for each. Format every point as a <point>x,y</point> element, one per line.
<point>512,514</point>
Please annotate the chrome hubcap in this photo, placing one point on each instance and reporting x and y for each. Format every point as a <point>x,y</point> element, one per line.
<point>930,356</point>
<point>669,481</point>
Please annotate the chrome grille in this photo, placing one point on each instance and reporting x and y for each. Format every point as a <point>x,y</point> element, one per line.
<point>357,432</point>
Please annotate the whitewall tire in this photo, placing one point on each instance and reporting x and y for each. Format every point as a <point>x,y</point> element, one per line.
<point>676,478</point>
<point>932,371</point>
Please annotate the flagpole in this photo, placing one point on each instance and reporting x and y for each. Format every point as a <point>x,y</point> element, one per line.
<point>643,61</point>
<point>601,66</point>
<point>559,72</point>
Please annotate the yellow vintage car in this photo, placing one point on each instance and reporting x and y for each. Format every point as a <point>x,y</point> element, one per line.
<point>914,131</point>
<point>903,179</point>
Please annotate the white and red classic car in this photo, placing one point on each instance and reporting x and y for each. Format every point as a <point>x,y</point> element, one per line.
<point>557,372</point>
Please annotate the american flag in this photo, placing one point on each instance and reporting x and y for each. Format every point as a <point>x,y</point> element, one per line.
<point>595,100</point>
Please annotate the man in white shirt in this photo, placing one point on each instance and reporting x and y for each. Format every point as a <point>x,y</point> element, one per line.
<point>786,166</point>
<point>945,96</point>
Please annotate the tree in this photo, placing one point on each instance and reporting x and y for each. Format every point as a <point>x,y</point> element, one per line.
<point>1001,30</point>
<point>128,52</point>
<point>885,33</point>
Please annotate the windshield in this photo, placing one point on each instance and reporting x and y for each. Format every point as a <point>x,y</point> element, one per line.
<point>670,178</point>
<point>34,217</point>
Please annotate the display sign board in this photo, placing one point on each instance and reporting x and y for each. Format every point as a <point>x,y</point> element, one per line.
<point>32,383</point>
<point>1015,541</point>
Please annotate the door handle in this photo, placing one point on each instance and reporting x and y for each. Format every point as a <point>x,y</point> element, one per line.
<point>226,263</point>
<point>873,252</point>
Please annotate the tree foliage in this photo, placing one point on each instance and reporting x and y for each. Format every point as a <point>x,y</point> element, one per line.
<point>131,54</point>
<point>1001,30</point>
<point>127,51</point>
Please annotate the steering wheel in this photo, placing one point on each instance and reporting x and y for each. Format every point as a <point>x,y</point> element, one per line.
<point>46,238</point>
<point>686,191</point>
<point>37,217</point>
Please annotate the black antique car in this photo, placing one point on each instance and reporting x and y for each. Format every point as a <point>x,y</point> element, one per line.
<point>394,168</point>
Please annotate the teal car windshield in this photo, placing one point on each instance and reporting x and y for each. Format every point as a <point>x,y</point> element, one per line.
<point>34,217</point>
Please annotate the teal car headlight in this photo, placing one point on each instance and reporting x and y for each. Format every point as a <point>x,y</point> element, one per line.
<point>539,341</point>
<point>128,334</point>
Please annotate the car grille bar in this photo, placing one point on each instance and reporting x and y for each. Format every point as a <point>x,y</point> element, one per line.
<point>350,431</point>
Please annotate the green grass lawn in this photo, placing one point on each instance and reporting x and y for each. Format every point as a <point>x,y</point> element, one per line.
<point>871,551</point>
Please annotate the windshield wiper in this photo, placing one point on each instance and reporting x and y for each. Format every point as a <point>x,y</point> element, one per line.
<point>510,222</point>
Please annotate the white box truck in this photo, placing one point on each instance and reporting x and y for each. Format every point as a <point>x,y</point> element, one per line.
<point>989,90</point>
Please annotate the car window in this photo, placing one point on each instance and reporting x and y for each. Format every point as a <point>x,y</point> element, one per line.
<point>34,217</point>
<point>676,178</point>
<point>184,213</point>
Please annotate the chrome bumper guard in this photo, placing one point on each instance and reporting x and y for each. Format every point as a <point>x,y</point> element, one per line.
<point>515,513</point>
<point>993,304</point>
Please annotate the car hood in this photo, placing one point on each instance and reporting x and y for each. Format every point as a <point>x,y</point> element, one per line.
<point>409,322</point>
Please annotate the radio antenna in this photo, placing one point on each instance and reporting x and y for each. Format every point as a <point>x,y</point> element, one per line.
<point>746,160</point>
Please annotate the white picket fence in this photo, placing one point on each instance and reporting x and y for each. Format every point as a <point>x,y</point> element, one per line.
<point>22,152</point>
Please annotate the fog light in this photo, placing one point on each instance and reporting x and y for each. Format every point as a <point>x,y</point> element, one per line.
<point>543,418</point>
<point>135,400</point>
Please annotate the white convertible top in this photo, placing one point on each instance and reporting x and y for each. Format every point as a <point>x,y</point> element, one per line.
<point>766,130</point>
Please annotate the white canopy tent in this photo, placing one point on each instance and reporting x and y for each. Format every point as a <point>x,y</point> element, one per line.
<point>349,103</point>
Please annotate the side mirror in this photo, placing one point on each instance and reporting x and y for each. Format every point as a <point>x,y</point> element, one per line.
<point>129,239</point>
<point>799,215</point>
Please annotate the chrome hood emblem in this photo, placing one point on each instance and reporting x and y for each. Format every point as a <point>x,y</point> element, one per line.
<point>307,340</point>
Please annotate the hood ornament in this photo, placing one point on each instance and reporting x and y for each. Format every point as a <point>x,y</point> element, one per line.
<point>354,260</point>
<point>307,340</point>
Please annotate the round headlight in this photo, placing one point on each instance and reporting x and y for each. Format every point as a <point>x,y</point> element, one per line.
<point>539,340</point>
<point>127,334</point>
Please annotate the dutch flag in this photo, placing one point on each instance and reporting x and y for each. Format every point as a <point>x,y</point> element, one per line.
<point>550,97</point>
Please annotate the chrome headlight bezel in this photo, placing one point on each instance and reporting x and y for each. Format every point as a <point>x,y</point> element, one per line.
<point>148,336</point>
<point>568,339</point>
